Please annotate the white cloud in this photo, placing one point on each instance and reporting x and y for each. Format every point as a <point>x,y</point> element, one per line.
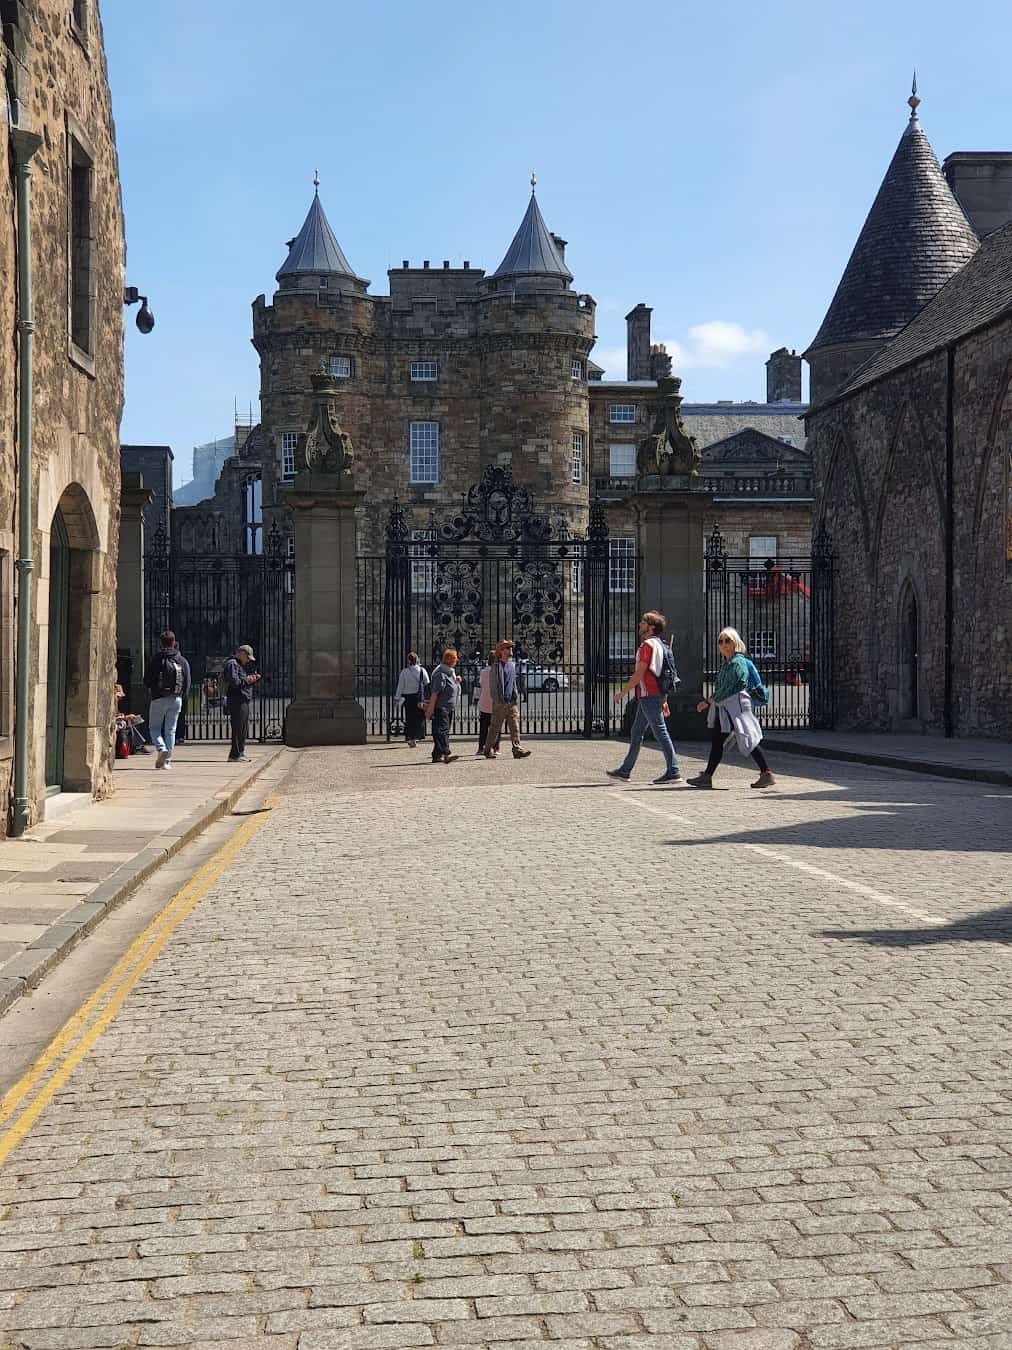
<point>716,344</point>
<point>713,345</point>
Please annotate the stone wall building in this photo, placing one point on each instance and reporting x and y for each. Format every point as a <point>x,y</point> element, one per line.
<point>59,122</point>
<point>913,473</point>
<point>455,370</point>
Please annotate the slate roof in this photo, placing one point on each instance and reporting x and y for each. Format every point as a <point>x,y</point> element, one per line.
<point>915,237</point>
<point>315,248</point>
<point>979,294</point>
<point>533,251</point>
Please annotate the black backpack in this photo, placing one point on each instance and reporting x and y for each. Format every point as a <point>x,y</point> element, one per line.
<point>170,676</point>
<point>668,678</point>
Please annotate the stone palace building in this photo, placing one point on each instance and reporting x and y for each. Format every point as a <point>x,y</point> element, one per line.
<point>61,394</point>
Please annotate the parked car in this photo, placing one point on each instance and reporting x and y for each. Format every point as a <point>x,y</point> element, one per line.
<point>545,678</point>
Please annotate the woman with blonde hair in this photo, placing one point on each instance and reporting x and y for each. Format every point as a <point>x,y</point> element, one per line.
<point>730,710</point>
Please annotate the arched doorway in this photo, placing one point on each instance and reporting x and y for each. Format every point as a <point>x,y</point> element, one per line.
<point>56,664</point>
<point>909,648</point>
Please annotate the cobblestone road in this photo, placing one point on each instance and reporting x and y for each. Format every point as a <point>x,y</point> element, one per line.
<point>503,1054</point>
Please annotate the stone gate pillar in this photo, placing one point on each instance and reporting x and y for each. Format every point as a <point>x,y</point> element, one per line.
<point>323,499</point>
<point>673,512</point>
<point>673,519</point>
<point>133,498</point>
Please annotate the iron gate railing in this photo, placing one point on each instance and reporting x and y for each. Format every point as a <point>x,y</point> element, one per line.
<point>214,602</point>
<point>497,569</point>
<point>783,609</point>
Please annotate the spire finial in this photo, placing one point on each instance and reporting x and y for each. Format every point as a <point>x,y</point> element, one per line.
<point>316,180</point>
<point>534,181</point>
<point>913,100</point>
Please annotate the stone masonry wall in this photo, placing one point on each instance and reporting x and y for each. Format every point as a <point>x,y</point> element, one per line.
<point>880,487</point>
<point>59,75</point>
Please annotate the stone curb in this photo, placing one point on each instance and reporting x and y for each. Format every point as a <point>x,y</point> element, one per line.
<point>935,768</point>
<point>26,971</point>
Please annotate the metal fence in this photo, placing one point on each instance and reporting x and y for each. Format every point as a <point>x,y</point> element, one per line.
<point>498,570</point>
<point>782,607</point>
<point>213,602</point>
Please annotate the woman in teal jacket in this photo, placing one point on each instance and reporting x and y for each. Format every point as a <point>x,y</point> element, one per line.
<point>730,709</point>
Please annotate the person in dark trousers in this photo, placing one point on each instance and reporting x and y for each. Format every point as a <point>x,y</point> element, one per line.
<point>444,690</point>
<point>238,695</point>
<point>729,711</point>
<point>167,678</point>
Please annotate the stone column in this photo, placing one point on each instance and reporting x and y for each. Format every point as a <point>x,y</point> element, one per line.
<point>324,711</point>
<point>673,516</point>
<point>323,499</point>
<point>133,498</point>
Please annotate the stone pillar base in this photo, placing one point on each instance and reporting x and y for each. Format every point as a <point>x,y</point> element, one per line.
<point>312,721</point>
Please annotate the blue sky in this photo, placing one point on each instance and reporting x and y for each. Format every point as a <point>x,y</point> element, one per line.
<point>714,161</point>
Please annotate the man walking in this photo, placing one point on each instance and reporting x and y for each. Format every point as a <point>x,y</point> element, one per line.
<point>168,680</point>
<point>651,699</point>
<point>444,690</point>
<point>503,687</point>
<point>238,696</point>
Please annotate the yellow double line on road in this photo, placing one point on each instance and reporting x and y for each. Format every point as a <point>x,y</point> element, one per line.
<point>30,1095</point>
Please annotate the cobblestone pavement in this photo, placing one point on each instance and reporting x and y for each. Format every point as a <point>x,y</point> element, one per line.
<point>507,1054</point>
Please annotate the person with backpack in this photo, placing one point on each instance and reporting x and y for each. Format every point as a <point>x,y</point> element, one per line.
<point>238,684</point>
<point>737,689</point>
<point>167,678</point>
<point>653,679</point>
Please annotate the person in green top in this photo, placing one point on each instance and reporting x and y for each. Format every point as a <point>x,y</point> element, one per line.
<point>730,709</point>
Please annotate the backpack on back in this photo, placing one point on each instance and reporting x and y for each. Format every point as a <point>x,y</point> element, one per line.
<point>668,678</point>
<point>170,677</point>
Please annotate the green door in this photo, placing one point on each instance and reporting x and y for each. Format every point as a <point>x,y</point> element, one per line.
<point>56,699</point>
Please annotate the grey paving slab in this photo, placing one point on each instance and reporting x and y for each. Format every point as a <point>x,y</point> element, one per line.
<point>64,876</point>
<point>988,761</point>
<point>524,1057</point>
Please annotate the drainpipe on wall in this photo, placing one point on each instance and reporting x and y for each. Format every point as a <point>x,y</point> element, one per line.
<point>25,145</point>
<point>950,364</point>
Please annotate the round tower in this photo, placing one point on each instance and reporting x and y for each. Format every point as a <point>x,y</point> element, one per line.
<point>534,335</point>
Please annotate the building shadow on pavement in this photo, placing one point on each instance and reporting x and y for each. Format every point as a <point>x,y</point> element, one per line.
<point>990,925</point>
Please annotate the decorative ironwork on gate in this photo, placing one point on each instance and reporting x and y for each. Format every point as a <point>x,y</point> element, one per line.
<point>213,602</point>
<point>783,608</point>
<point>499,568</point>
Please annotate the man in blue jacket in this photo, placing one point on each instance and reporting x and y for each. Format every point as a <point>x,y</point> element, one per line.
<point>238,696</point>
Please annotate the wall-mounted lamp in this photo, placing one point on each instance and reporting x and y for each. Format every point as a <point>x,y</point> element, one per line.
<point>145,319</point>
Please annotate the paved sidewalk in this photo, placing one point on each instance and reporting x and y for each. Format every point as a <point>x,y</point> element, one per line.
<point>64,875</point>
<point>509,1055</point>
<point>985,761</point>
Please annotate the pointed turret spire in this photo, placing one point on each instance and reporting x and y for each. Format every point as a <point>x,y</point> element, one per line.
<point>533,251</point>
<point>914,239</point>
<point>315,251</point>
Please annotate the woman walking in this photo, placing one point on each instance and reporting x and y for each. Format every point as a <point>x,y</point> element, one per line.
<point>411,684</point>
<point>730,710</point>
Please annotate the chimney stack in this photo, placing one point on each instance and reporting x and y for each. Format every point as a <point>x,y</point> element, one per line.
<point>783,377</point>
<point>638,343</point>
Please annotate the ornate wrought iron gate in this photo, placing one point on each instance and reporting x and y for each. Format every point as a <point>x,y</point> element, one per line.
<point>498,569</point>
<point>213,602</point>
<point>783,609</point>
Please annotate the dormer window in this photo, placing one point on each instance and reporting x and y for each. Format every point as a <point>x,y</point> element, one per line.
<point>324,283</point>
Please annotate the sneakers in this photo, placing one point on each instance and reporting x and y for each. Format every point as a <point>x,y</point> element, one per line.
<point>765,779</point>
<point>412,744</point>
<point>448,759</point>
<point>671,777</point>
<point>620,774</point>
<point>167,764</point>
<point>520,754</point>
<point>701,780</point>
<point>160,759</point>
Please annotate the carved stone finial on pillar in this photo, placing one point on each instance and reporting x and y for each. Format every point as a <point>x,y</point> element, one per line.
<point>669,451</point>
<point>325,447</point>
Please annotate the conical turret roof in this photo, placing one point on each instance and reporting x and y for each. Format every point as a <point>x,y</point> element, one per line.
<point>915,238</point>
<point>315,248</point>
<point>533,251</point>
